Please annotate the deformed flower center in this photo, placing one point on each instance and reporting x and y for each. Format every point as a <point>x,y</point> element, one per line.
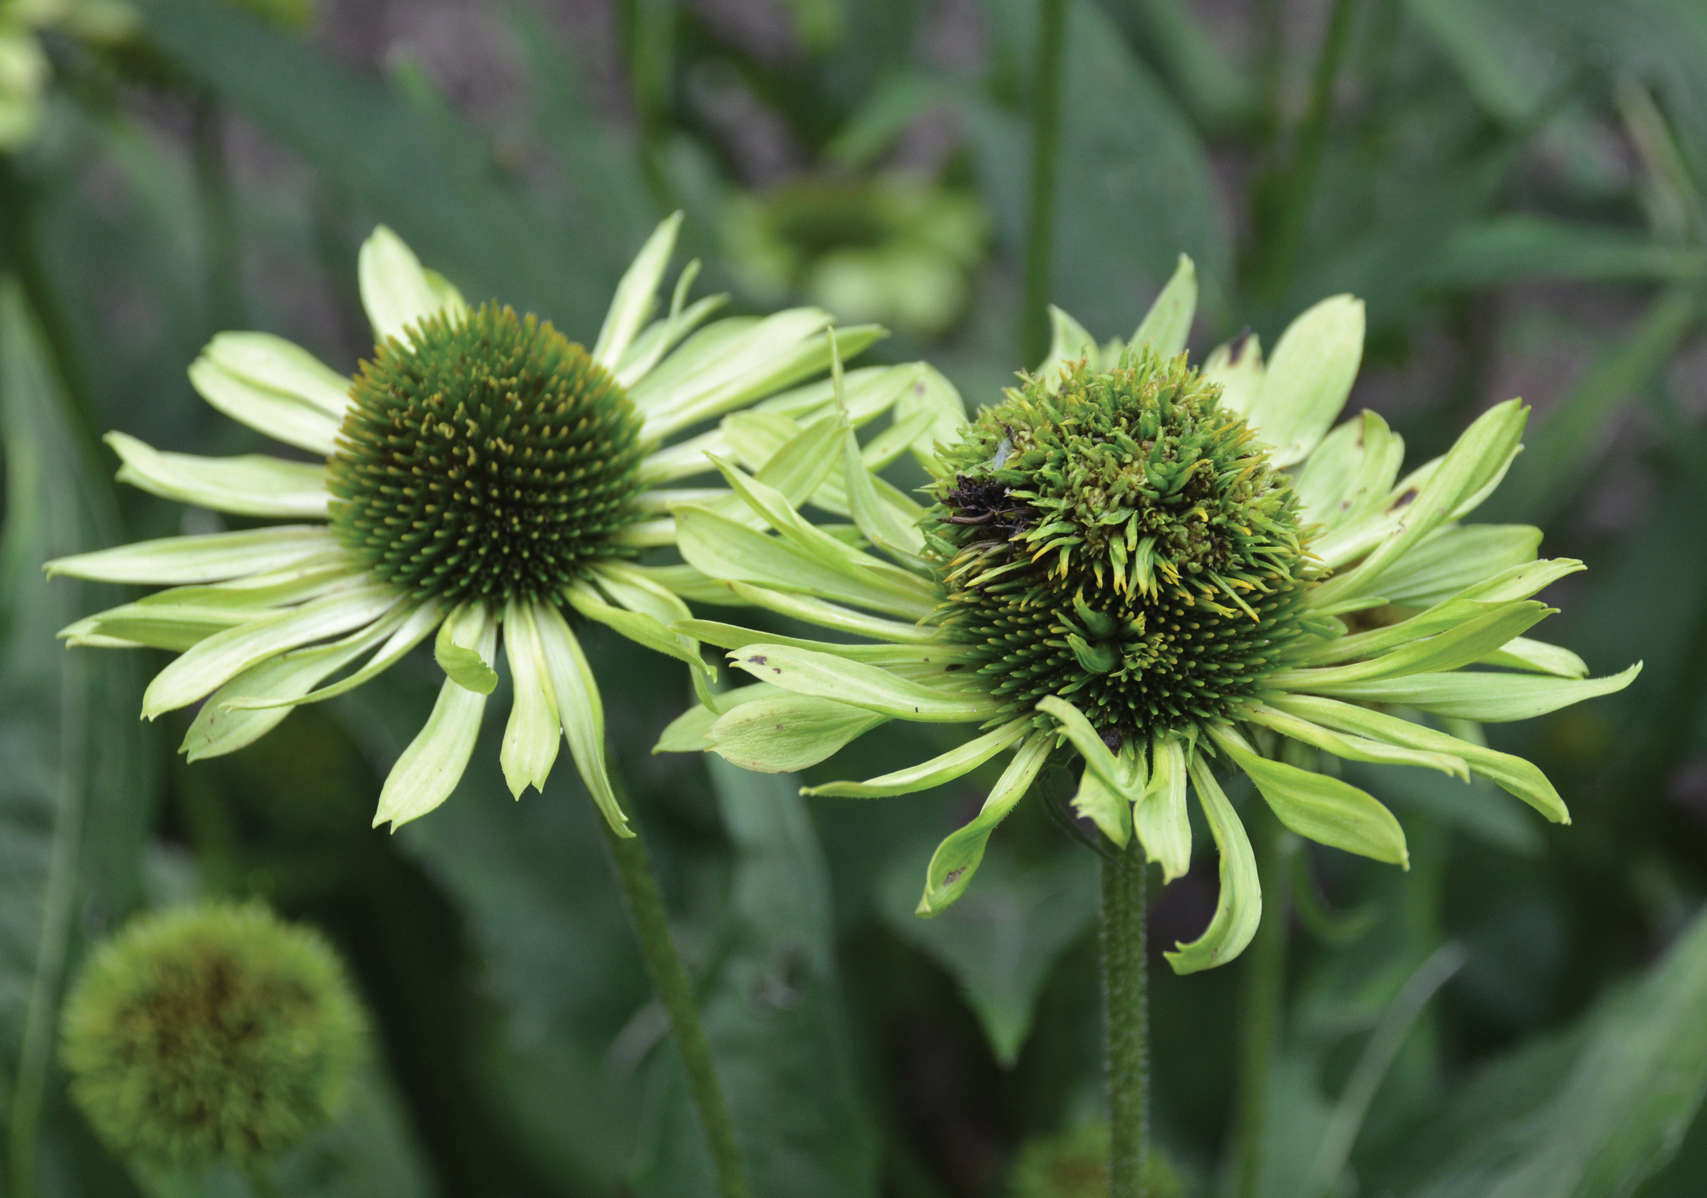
<point>1123,544</point>
<point>485,457</point>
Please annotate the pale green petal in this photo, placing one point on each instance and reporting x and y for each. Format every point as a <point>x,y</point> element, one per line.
<point>1237,369</point>
<point>734,636</point>
<point>276,414</point>
<point>457,648</point>
<point>1105,806</point>
<point>687,732</point>
<point>1160,816</point>
<point>1483,628</point>
<point>533,732</point>
<point>1238,907</point>
<point>1072,723</point>
<point>933,395</point>
<point>415,628</point>
<point>1513,773</point>
<point>1354,748</point>
<point>636,294</point>
<point>1350,472</point>
<point>1308,379</point>
<point>396,291</point>
<point>182,616</point>
<point>216,660</point>
<point>807,673</point>
<point>575,694</point>
<point>660,337</point>
<point>1490,696</point>
<point>278,365</point>
<point>233,717</point>
<point>1459,556</point>
<point>646,627</point>
<point>944,767</point>
<point>783,732</point>
<point>1447,488</point>
<point>1521,653</point>
<point>957,858</point>
<point>1318,807</point>
<point>824,614</point>
<point>1069,341</point>
<point>1168,322</point>
<point>212,557</point>
<point>890,529</point>
<point>429,769</point>
<point>247,485</point>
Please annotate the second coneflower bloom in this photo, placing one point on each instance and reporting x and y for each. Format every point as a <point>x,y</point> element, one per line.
<point>1162,571</point>
<point>481,480</point>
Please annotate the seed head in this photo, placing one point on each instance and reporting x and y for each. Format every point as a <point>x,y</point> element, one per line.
<point>1122,543</point>
<point>487,457</point>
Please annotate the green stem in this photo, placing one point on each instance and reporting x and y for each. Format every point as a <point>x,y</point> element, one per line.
<point>1264,994</point>
<point>218,203</point>
<point>1045,164</point>
<point>675,990</point>
<point>1126,1021</point>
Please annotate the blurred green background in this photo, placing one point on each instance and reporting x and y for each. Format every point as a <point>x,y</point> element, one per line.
<point>1515,187</point>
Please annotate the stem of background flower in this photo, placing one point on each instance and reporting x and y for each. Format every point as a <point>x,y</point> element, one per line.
<point>218,202</point>
<point>1126,1020</point>
<point>1264,992</point>
<point>647,29</point>
<point>675,990</point>
<point>1045,164</point>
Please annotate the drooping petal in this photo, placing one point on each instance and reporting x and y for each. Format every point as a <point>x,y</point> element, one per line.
<point>1077,728</point>
<point>1108,807</point>
<point>533,732</point>
<point>211,557</point>
<point>957,857</point>
<point>182,616</point>
<point>214,661</point>
<point>246,485</point>
<point>1308,379</point>
<point>1160,816</point>
<point>782,732</point>
<point>1168,322</point>
<point>396,291</point>
<point>575,695</point>
<point>1318,807</point>
<point>871,687</point>
<point>944,767</point>
<point>428,770</point>
<point>415,627</point>
<point>281,415</point>
<point>457,648</point>
<point>1238,907</point>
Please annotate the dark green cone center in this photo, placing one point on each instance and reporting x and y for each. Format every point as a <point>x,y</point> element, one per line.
<point>485,457</point>
<point>1122,543</point>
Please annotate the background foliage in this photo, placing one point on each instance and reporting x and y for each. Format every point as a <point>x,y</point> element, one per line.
<point>1514,187</point>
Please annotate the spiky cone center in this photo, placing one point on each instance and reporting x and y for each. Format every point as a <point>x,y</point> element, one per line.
<point>484,457</point>
<point>210,1032</point>
<point>1122,543</point>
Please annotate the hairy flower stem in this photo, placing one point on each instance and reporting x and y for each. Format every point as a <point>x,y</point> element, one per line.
<point>675,990</point>
<point>1264,986</point>
<point>1045,166</point>
<point>1126,1017</point>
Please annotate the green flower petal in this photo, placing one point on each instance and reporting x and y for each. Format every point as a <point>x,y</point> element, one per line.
<point>1354,748</point>
<point>1168,322</point>
<point>1492,697</point>
<point>636,294</point>
<point>1350,472</point>
<point>1160,816</point>
<point>533,733</point>
<point>828,676</point>
<point>213,662</point>
<point>1069,341</point>
<point>1521,653</point>
<point>944,767</point>
<point>1238,370</point>
<point>1238,907</point>
<point>783,732</point>
<point>575,694</point>
<point>415,628</point>
<point>957,858</point>
<point>1479,629</point>
<point>248,485</point>
<point>212,557</point>
<point>396,291</point>
<point>1110,809</point>
<point>1308,379</point>
<point>429,769</point>
<point>457,648</point>
<point>1458,556</point>
<point>1318,807</point>
<point>281,415</point>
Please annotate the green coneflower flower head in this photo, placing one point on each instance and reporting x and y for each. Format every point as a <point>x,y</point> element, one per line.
<point>1160,570</point>
<point>481,480</point>
<point>210,1032</point>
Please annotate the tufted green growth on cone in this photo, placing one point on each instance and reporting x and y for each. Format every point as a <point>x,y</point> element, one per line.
<point>483,456</point>
<point>1121,542</point>
<point>210,1032</point>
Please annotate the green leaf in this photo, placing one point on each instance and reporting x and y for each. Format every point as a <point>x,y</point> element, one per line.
<point>1589,1113</point>
<point>1001,942</point>
<point>1318,807</point>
